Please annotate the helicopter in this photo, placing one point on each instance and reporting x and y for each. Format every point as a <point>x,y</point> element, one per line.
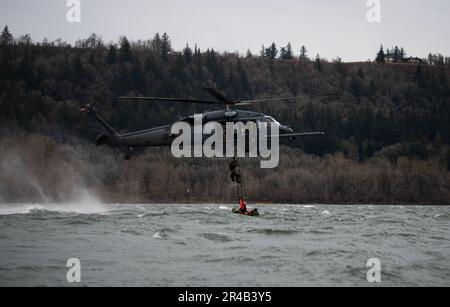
<point>163,137</point>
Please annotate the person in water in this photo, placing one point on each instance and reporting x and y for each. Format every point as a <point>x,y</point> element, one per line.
<point>253,212</point>
<point>242,206</point>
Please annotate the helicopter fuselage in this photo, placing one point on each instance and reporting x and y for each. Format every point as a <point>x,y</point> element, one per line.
<point>162,136</point>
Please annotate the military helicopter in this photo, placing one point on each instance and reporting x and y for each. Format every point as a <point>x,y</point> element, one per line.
<point>162,136</point>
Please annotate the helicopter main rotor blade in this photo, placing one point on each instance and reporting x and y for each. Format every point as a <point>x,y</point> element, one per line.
<point>241,104</point>
<point>168,99</point>
<point>216,94</point>
<point>247,102</point>
<point>304,134</point>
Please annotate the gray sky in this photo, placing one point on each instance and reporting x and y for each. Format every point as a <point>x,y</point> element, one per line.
<point>329,27</point>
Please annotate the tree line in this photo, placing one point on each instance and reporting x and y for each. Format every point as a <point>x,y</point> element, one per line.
<point>369,111</point>
<point>398,54</point>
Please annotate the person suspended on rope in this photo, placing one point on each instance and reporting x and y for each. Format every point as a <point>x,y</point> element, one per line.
<point>235,175</point>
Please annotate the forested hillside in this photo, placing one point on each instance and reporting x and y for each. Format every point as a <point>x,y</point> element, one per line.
<point>387,125</point>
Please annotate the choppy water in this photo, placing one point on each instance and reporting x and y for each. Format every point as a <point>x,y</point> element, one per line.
<point>206,245</point>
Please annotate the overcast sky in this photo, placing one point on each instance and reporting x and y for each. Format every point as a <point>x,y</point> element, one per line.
<point>329,27</point>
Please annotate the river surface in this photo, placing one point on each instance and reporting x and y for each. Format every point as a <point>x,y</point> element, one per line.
<point>207,245</point>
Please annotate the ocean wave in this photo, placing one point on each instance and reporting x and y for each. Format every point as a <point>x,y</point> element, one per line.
<point>132,232</point>
<point>235,259</point>
<point>24,209</point>
<point>319,232</point>
<point>442,216</point>
<point>162,234</point>
<point>158,235</point>
<point>217,237</point>
<point>325,252</point>
<point>150,214</point>
<point>270,231</point>
<point>56,208</point>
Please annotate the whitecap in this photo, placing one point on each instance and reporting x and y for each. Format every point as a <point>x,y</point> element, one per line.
<point>157,235</point>
<point>80,208</point>
<point>24,209</point>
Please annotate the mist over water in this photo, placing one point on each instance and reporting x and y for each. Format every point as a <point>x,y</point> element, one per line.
<point>206,245</point>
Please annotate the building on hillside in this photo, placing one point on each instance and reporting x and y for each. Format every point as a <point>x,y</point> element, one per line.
<point>392,58</point>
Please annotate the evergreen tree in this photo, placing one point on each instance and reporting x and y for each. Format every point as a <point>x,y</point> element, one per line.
<point>402,53</point>
<point>187,54</point>
<point>339,65</point>
<point>111,58</point>
<point>272,52</point>
<point>318,63</point>
<point>263,53</point>
<point>303,54</point>
<point>156,44</point>
<point>380,56</point>
<point>6,38</point>
<point>166,47</point>
<point>125,49</point>
<point>286,52</point>
<point>65,76</point>
<point>283,53</point>
<point>396,54</point>
<point>25,40</point>
<point>197,52</point>
<point>290,53</point>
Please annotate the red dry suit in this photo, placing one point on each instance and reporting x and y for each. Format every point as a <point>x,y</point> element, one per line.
<point>242,206</point>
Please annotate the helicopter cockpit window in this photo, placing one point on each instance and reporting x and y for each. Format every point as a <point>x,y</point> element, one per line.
<point>191,119</point>
<point>268,120</point>
<point>265,120</point>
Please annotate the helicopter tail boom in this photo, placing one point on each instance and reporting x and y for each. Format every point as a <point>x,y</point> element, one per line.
<point>93,111</point>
